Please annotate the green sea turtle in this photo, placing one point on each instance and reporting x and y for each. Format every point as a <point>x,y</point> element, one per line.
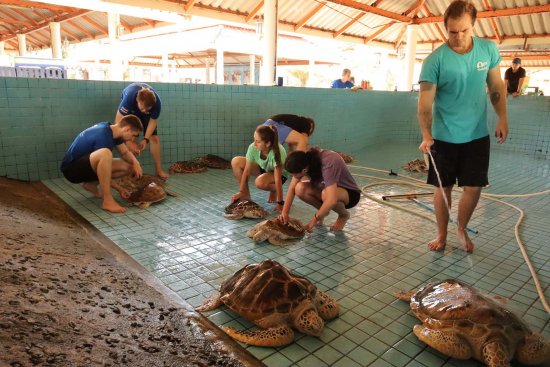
<point>213,161</point>
<point>142,191</point>
<point>187,167</point>
<point>276,300</point>
<point>245,209</point>
<point>460,322</point>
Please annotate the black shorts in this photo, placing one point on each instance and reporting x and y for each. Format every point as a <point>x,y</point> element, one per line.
<point>283,178</point>
<point>80,171</point>
<point>465,163</point>
<point>354,197</point>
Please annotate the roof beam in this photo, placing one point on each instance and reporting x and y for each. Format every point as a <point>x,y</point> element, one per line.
<point>254,11</point>
<point>442,36</point>
<point>348,24</point>
<point>189,4</point>
<point>378,32</point>
<point>493,13</point>
<point>309,16</point>
<point>94,23</point>
<point>15,21</point>
<point>372,9</point>
<point>492,20</point>
<point>19,12</point>
<point>82,29</point>
<point>39,5</point>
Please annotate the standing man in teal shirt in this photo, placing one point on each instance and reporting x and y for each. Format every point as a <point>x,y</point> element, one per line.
<point>453,82</point>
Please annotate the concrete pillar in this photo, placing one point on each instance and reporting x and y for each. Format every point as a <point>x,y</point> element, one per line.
<point>269,59</point>
<point>252,80</point>
<point>207,71</point>
<point>2,48</point>
<point>55,39</point>
<point>22,43</point>
<point>113,21</point>
<point>410,55</point>
<point>219,65</point>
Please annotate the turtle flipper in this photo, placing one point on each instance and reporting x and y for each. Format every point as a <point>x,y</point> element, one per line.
<point>144,205</point>
<point>277,241</point>
<point>405,296</point>
<point>172,193</point>
<point>446,342</point>
<point>210,303</point>
<point>233,216</point>
<point>272,337</point>
<point>533,351</point>
<point>495,354</point>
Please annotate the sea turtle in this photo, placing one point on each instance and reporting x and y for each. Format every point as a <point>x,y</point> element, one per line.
<point>277,233</point>
<point>213,161</point>
<point>346,157</point>
<point>142,191</point>
<point>276,300</point>
<point>417,165</point>
<point>460,322</point>
<point>187,167</point>
<point>245,209</point>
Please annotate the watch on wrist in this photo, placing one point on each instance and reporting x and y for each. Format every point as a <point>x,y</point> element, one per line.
<point>146,139</point>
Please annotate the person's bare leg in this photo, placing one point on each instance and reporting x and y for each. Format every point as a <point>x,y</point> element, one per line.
<point>155,153</point>
<point>296,141</point>
<point>442,218</point>
<point>266,182</point>
<point>102,162</point>
<point>309,195</point>
<point>466,206</point>
<point>237,164</point>
<point>120,168</point>
<point>340,209</point>
<point>91,187</point>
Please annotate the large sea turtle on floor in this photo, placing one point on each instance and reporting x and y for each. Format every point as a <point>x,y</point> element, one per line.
<point>276,300</point>
<point>277,233</point>
<point>213,161</point>
<point>460,322</point>
<point>245,209</point>
<point>142,191</point>
<point>417,165</point>
<point>187,167</point>
<point>346,157</point>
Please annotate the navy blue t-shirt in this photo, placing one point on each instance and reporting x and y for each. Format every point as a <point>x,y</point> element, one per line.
<point>128,104</point>
<point>93,138</point>
<point>338,83</point>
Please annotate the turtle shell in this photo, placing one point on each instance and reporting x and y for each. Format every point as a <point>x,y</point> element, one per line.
<point>260,290</point>
<point>187,167</point>
<point>213,161</point>
<point>133,184</point>
<point>245,205</point>
<point>346,157</point>
<point>150,193</point>
<point>292,229</point>
<point>456,305</point>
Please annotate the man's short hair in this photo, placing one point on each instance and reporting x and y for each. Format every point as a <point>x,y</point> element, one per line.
<point>346,72</point>
<point>133,121</point>
<point>517,60</point>
<point>457,9</point>
<point>147,97</point>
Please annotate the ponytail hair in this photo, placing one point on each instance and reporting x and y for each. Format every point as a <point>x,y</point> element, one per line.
<point>311,159</point>
<point>269,134</point>
<point>301,124</point>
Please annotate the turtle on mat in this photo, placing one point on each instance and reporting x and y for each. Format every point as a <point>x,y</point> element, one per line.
<point>346,157</point>
<point>277,233</point>
<point>460,322</point>
<point>213,161</point>
<point>142,191</point>
<point>276,300</point>
<point>245,209</point>
<point>187,167</point>
<point>417,165</point>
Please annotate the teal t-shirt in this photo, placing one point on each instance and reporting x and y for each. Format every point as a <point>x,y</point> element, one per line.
<point>268,164</point>
<point>460,106</point>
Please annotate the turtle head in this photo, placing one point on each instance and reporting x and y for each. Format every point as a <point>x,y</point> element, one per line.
<point>534,350</point>
<point>327,306</point>
<point>309,322</point>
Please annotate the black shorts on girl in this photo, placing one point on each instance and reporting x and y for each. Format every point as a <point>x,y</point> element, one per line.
<point>283,178</point>
<point>465,163</point>
<point>354,197</point>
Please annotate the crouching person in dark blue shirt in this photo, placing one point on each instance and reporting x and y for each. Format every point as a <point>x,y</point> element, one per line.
<point>89,160</point>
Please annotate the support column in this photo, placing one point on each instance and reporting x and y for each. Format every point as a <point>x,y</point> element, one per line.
<point>219,65</point>
<point>207,71</point>
<point>252,80</point>
<point>410,55</point>
<point>269,59</point>
<point>116,60</point>
<point>55,39</point>
<point>311,68</point>
<point>165,71</point>
<point>22,43</point>
<point>2,47</point>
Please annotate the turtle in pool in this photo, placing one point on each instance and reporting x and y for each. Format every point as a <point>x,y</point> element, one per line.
<point>187,167</point>
<point>213,161</point>
<point>417,165</point>
<point>142,191</point>
<point>460,322</point>
<point>346,157</point>
<point>245,209</point>
<point>276,300</point>
<point>277,233</point>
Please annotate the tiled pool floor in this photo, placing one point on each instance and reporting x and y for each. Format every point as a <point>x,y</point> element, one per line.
<point>188,244</point>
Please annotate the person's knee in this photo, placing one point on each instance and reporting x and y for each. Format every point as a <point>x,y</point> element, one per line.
<point>238,162</point>
<point>261,183</point>
<point>300,190</point>
<point>154,139</point>
<point>100,154</point>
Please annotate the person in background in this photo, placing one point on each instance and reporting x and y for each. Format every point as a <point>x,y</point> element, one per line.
<point>141,100</point>
<point>264,159</point>
<point>292,129</point>
<point>344,81</point>
<point>89,160</point>
<point>453,84</point>
<point>328,186</point>
<point>514,78</point>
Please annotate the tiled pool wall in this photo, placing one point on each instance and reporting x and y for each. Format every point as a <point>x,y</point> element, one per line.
<point>40,117</point>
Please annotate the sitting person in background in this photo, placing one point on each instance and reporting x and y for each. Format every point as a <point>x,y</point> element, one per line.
<point>264,159</point>
<point>330,186</point>
<point>344,81</point>
<point>89,160</point>
<point>292,129</point>
<point>514,78</point>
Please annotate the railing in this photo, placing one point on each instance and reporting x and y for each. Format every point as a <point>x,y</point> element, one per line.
<point>33,72</point>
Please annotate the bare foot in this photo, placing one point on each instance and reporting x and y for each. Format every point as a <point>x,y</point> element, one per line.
<point>340,222</point>
<point>112,206</point>
<point>272,197</point>
<point>464,240</point>
<point>91,187</point>
<point>438,244</point>
<point>162,174</point>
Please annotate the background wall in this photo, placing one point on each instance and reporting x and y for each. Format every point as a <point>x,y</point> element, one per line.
<point>39,118</point>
